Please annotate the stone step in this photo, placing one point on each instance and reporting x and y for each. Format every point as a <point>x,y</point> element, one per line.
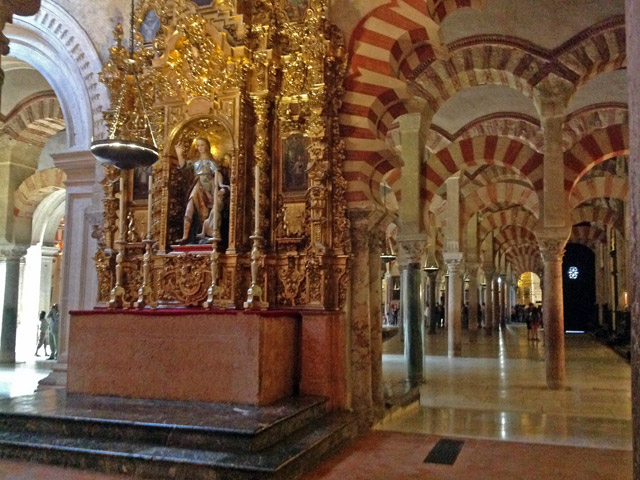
<point>190,425</point>
<point>287,459</point>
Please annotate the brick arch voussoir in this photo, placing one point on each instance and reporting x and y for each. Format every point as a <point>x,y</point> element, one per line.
<point>600,48</point>
<point>34,119</point>
<point>499,193</point>
<point>597,215</point>
<point>608,186</point>
<point>502,218</point>
<point>479,61</point>
<point>36,188</point>
<point>586,121</point>
<point>440,9</point>
<point>477,151</point>
<point>589,236</point>
<point>593,149</point>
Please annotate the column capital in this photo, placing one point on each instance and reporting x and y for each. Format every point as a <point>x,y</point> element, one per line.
<point>411,248</point>
<point>551,96</point>
<point>552,249</point>
<point>12,252</point>
<point>453,259</point>
<point>552,242</point>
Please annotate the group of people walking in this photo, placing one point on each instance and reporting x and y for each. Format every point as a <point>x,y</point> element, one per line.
<point>48,332</point>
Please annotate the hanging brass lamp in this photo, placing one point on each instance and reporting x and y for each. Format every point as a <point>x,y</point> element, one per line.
<point>121,153</point>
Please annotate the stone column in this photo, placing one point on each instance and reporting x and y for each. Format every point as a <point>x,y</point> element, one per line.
<point>410,252</point>
<point>472,269</point>
<point>495,300</point>
<point>553,315</point>
<point>488,300</point>
<point>361,372</point>
<point>505,302</point>
<point>433,293</point>
<point>632,20</point>
<point>412,239</point>
<point>79,278</point>
<point>454,303</point>
<point>375,294</point>
<point>11,258</point>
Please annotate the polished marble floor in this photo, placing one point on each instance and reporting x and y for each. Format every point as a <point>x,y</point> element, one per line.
<point>496,390</point>
<point>23,378</point>
<point>494,397</point>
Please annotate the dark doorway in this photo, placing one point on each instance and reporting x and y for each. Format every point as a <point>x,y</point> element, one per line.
<point>579,287</point>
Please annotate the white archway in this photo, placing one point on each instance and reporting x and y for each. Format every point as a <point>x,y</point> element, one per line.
<point>56,45</point>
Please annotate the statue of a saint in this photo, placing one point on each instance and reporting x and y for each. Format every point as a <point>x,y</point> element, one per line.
<point>208,192</point>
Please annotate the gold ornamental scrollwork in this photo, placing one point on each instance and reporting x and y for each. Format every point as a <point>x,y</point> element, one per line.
<point>249,81</point>
<point>184,279</point>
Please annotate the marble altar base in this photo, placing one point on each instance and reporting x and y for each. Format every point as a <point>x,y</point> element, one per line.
<point>229,357</point>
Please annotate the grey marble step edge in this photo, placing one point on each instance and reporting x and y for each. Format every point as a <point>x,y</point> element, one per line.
<point>286,460</point>
<point>183,436</point>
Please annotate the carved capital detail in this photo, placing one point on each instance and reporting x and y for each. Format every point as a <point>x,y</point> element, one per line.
<point>552,249</point>
<point>551,96</point>
<point>454,261</point>
<point>10,253</point>
<point>411,249</point>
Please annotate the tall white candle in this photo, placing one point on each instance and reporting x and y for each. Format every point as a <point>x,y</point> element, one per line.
<point>257,200</point>
<point>150,205</point>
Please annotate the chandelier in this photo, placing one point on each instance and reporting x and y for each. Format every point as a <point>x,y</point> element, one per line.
<point>121,153</point>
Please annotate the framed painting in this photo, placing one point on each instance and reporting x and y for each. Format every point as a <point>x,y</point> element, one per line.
<point>140,184</point>
<point>294,164</point>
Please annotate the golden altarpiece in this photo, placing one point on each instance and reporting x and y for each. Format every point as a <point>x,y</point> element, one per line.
<point>261,81</point>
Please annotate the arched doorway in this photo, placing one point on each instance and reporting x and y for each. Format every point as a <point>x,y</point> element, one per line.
<point>40,286</point>
<point>579,287</point>
<point>529,289</point>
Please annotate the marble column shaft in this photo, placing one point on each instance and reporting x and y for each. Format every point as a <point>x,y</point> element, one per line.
<point>473,298</point>
<point>375,295</point>
<point>433,287</point>
<point>553,314</point>
<point>8,333</point>
<point>412,319</point>
<point>454,310</point>
<point>361,376</point>
<point>495,300</point>
<point>410,253</point>
<point>488,301</point>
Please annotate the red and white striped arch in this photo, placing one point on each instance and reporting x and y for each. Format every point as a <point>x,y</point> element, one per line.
<point>597,215</point>
<point>480,60</point>
<point>515,235</point>
<point>499,194</point>
<point>473,152</point>
<point>35,119</point>
<point>36,188</point>
<point>586,121</point>
<point>599,48</point>
<point>502,218</point>
<point>593,149</point>
<point>589,236</point>
<point>439,9</point>
<point>607,186</point>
